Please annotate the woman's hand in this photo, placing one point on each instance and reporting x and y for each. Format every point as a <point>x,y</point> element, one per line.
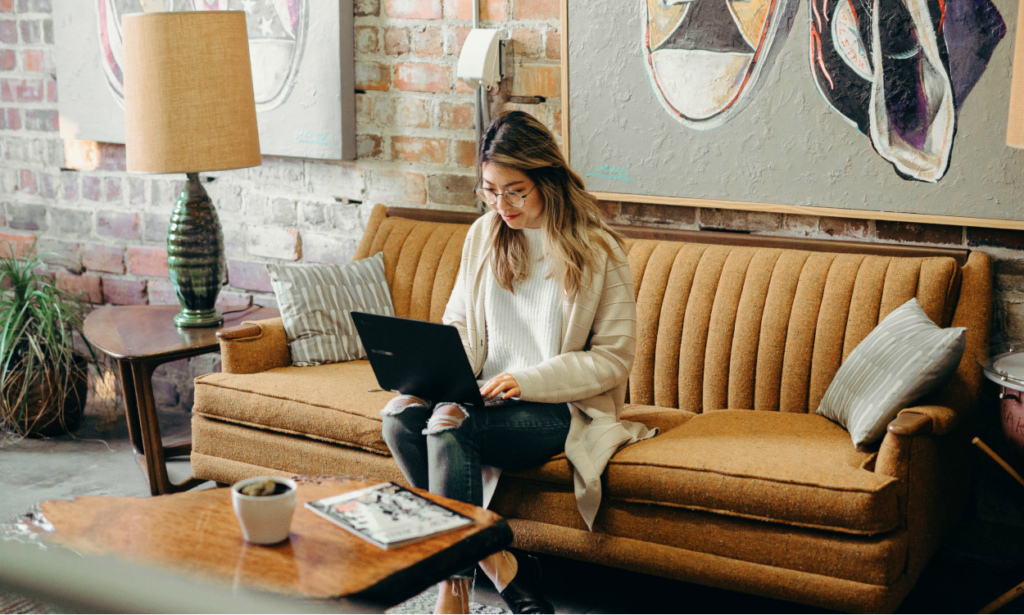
<point>502,384</point>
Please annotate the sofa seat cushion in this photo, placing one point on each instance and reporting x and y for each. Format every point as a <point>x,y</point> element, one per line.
<point>793,468</point>
<point>557,470</point>
<point>327,402</point>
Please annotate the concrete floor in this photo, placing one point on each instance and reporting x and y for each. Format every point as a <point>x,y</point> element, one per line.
<point>983,558</point>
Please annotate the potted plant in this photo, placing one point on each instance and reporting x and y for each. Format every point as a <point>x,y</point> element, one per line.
<point>43,378</point>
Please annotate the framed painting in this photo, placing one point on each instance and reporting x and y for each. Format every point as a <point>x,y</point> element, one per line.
<point>302,63</point>
<point>882,109</point>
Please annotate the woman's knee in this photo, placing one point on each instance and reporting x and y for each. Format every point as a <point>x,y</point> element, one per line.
<point>397,405</point>
<point>444,418</point>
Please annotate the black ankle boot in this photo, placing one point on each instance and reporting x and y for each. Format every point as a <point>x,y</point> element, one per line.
<point>523,594</point>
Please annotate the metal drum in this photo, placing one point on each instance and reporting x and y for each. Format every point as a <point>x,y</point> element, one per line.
<point>1004,365</point>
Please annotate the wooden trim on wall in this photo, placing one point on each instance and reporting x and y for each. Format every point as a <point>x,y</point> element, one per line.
<point>803,210</point>
<point>717,237</point>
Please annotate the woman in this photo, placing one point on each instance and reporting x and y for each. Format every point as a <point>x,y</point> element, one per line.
<point>544,304</point>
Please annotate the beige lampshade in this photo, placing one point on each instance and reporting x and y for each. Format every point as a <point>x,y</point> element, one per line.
<point>188,99</point>
<point>1015,127</point>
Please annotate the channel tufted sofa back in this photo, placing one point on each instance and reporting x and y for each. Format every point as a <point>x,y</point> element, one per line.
<point>761,328</point>
<point>718,326</point>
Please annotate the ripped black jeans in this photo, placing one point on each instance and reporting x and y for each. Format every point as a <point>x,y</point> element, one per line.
<point>445,456</point>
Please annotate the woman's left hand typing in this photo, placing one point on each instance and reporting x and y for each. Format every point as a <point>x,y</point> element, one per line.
<point>502,384</point>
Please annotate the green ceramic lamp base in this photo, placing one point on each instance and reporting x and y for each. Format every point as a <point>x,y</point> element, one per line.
<point>195,256</point>
<point>198,318</point>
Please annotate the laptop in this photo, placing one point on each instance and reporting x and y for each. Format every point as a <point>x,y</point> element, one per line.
<point>419,358</point>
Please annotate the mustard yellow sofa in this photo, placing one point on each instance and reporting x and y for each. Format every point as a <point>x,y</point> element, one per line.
<point>745,488</point>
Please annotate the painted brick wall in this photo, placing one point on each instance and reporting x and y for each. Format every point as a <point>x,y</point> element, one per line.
<point>415,143</point>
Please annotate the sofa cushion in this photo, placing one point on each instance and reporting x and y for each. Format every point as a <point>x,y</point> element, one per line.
<point>328,402</point>
<point>794,468</point>
<point>557,470</point>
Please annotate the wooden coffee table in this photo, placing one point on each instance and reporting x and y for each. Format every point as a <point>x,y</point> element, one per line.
<point>140,339</point>
<point>197,535</point>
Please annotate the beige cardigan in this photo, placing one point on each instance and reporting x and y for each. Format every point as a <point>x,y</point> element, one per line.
<point>598,343</point>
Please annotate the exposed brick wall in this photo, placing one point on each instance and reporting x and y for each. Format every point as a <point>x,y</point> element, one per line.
<point>415,145</point>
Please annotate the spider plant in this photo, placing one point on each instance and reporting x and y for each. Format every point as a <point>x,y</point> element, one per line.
<point>43,379</point>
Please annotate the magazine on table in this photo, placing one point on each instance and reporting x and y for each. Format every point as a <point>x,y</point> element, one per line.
<point>388,515</point>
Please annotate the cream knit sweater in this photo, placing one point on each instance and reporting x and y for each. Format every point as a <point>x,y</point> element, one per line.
<point>524,328</point>
<point>597,346</point>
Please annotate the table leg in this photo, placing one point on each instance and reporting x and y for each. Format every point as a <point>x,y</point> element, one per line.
<point>131,409</point>
<point>155,453</point>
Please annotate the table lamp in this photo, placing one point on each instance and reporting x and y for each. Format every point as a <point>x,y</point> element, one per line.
<point>189,108</point>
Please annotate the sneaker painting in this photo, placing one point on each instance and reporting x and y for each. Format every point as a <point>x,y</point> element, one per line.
<point>706,59</point>
<point>899,70</point>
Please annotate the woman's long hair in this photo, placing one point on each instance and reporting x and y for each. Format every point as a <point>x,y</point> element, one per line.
<point>516,140</point>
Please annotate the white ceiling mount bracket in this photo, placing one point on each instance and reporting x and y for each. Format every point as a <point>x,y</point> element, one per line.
<point>479,62</point>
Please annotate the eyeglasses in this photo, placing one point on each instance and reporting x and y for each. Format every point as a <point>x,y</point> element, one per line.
<point>513,198</point>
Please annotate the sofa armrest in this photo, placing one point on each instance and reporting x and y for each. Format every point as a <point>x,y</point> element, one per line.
<point>911,425</point>
<point>943,420</point>
<point>254,346</point>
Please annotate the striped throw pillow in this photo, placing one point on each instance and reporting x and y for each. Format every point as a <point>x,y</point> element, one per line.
<point>316,302</point>
<point>904,357</point>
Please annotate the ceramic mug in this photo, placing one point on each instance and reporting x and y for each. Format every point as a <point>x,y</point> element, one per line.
<point>265,520</point>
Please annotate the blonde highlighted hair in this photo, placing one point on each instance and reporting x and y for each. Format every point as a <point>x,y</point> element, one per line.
<point>572,219</point>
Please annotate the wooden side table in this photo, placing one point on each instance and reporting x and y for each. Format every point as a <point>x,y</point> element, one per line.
<point>140,339</point>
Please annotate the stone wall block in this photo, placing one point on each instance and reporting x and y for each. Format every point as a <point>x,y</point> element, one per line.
<point>367,39</point>
<point>670,216</point>
<point>328,248</point>
<point>25,217</point>
<point>312,214</point>
<point>136,191</point>
<point>120,225</point>
<point>249,275</point>
<point>369,147</point>
<point>736,220</point>
<point>161,292</point>
<point>71,221</point>
<point>456,116</point>
<point>490,10</point>
<point>282,212</point>
<point>392,187</point>
<point>534,80</point>
<point>156,226</point>
<point>17,244</point>
<point>112,157</point>
<point>367,8</point>
<point>909,232</point>
<point>413,9</point>
<point>92,189</point>
<point>536,9</point>
<point>99,257</point>
<point>59,253</point>
<point>145,261</point>
<point>847,228</point>
<point>373,76</point>
<point>344,181</point>
<point>89,287</point>
<point>230,301</point>
<point>117,291</point>
<point>452,189</point>
<point>435,78</point>
<point>275,242</point>
<point>419,149</point>
<point>346,217</point>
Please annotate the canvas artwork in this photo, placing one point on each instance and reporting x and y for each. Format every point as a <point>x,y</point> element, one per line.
<point>898,70</point>
<point>304,88</point>
<point>890,106</point>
